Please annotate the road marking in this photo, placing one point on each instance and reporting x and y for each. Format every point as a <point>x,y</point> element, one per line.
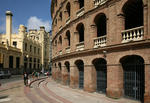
<point>4,100</point>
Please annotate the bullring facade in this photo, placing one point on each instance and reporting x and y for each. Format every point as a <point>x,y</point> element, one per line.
<point>103,46</point>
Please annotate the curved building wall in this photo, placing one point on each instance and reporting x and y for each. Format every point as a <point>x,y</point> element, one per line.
<point>100,30</point>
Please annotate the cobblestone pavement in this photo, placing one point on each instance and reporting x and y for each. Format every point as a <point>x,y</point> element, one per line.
<point>48,91</point>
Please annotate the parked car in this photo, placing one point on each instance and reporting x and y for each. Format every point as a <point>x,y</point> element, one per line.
<point>5,74</point>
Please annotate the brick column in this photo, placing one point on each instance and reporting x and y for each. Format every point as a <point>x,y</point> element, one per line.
<point>93,32</point>
<point>74,8</point>
<point>147,84</point>
<point>145,12</point>
<point>114,81</point>
<point>89,79</point>
<point>148,17</point>
<point>65,75</point>
<point>54,73</point>
<point>74,77</point>
<point>120,26</point>
<point>76,40</point>
<point>14,62</point>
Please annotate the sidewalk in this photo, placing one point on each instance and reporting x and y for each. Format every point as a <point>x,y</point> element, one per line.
<point>80,96</point>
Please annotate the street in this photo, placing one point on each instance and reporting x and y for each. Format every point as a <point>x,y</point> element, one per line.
<point>48,91</point>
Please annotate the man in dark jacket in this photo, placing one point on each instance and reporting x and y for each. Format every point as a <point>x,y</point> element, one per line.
<point>25,77</point>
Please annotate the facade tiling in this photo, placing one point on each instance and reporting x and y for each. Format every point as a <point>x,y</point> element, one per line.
<point>33,47</point>
<point>103,46</point>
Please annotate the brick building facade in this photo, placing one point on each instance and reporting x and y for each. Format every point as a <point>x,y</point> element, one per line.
<point>103,46</point>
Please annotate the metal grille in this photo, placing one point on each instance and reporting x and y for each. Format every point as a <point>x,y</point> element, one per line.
<point>68,80</point>
<point>81,79</point>
<point>101,79</point>
<point>134,81</point>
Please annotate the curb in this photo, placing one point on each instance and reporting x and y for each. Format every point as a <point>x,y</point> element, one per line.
<point>36,80</point>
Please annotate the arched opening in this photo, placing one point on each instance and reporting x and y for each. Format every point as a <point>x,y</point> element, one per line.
<point>56,43</point>
<point>56,2</point>
<point>81,3</point>
<point>67,64</point>
<point>133,11</point>
<point>101,74</point>
<point>100,21</point>
<point>80,66</point>
<point>60,40</point>
<point>68,8</point>
<point>134,77</point>
<point>68,37</point>
<point>60,16</point>
<point>59,73</point>
<point>80,29</point>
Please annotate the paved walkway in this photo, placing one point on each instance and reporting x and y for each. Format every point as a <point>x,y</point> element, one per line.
<point>48,91</point>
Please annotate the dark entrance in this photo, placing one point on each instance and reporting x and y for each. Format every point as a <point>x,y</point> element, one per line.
<point>101,69</point>
<point>133,11</point>
<point>10,61</point>
<point>80,66</point>
<point>67,64</point>
<point>17,62</point>
<point>134,81</point>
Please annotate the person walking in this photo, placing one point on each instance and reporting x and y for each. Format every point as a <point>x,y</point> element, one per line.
<point>25,77</point>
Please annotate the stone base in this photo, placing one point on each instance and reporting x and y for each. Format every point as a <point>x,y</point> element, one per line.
<point>147,98</point>
<point>90,88</point>
<point>114,93</point>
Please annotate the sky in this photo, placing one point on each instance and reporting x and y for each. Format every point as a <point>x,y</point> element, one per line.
<point>31,13</point>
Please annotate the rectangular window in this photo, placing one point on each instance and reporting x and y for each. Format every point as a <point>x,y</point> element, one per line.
<point>25,46</point>
<point>34,49</point>
<point>30,48</point>
<point>14,43</point>
<point>38,50</point>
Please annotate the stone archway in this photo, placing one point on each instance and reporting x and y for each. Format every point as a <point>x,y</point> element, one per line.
<point>100,65</point>
<point>133,77</point>
<point>80,66</point>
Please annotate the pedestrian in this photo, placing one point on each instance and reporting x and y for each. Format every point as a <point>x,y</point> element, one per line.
<point>36,75</point>
<point>33,73</point>
<point>25,77</point>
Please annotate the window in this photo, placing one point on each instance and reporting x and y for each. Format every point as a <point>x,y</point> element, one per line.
<point>60,16</point>
<point>14,43</point>
<point>34,49</point>
<point>30,48</point>
<point>25,46</point>
<point>80,29</point>
<point>38,50</point>
<point>68,9</point>
<point>81,3</point>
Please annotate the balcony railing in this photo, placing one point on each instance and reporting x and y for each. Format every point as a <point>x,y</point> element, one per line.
<point>60,27</point>
<point>99,2</point>
<point>134,34</point>
<point>60,52</point>
<point>100,41</point>
<point>68,50</point>
<point>80,46</point>
<point>80,12</point>
<point>68,20</point>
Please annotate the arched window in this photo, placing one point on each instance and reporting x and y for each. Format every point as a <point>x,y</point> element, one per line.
<point>56,22</point>
<point>81,3</point>
<point>56,43</point>
<point>60,40</point>
<point>68,8</point>
<point>56,2</point>
<point>100,21</point>
<point>60,16</point>
<point>68,37</point>
<point>133,11</point>
<point>80,29</point>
